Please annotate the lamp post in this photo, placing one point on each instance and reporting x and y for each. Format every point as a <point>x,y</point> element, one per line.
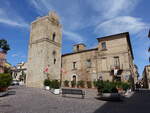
<point>149,46</point>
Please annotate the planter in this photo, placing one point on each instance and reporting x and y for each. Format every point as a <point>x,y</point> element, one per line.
<point>47,88</point>
<point>56,91</point>
<point>110,96</point>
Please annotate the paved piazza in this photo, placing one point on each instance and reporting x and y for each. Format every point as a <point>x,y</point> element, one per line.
<point>33,100</point>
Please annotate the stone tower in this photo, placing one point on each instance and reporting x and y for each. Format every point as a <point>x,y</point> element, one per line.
<point>44,55</point>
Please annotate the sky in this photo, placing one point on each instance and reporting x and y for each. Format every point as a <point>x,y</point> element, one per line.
<point>83,21</point>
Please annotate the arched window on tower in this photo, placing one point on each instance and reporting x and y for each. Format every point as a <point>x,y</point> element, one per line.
<point>54,35</point>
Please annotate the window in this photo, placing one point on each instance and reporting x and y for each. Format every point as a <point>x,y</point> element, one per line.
<point>54,56</point>
<point>88,63</point>
<point>116,61</point>
<point>54,61</point>
<point>78,48</point>
<point>104,64</point>
<point>74,65</point>
<point>54,35</point>
<point>54,53</point>
<point>103,45</point>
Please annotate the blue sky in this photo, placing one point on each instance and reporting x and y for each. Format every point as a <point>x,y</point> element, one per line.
<point>82,21</point>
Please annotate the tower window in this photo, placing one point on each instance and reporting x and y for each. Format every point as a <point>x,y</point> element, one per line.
<point>54,53</point>
<point>103,45</point>
<point>74,65</point>
<point>54,35</point>
<point>54,60</point>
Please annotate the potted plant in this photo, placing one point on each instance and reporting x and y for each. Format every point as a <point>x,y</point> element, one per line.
<point>108,90</point>
<point>47,84</point>
<point>122,87</point>
<point>5,81</point>
<point>55,84</point>
<point>94,83</point>
<point>66,83</point>
<point>81,84</point>
<point>89,84</point>
<point>73,83</point>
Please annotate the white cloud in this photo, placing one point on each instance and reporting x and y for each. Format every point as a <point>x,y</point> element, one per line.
<point>73,36</point>
<point>42,6</point>
<point>14,55</point>
<point>69,12</point>
<point>112,8</point>
<point>13,23</point>
<point>121,24</point>
<point>10,17</point>
<point>19,55</point>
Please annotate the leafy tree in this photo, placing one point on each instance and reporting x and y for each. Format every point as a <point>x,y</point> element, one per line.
<point>4,45</point>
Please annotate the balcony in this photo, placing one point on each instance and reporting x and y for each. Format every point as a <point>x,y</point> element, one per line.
<point>118,67</point>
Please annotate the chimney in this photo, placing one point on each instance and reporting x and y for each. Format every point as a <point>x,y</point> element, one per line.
<point>79,47</point>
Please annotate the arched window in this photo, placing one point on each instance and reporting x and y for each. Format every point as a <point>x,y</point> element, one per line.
<point>54,35</point>
<point>74,78</point>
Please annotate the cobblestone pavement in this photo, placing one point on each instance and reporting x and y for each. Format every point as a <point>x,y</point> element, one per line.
<point>34,100</point>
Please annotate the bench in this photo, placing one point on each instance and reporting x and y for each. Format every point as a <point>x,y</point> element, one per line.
<point>73,91</point>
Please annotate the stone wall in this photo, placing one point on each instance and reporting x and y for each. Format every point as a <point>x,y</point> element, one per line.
<point>102,61</point>
<point>44,50</point>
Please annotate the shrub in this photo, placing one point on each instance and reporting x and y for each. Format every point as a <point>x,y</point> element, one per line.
<point>81,84</point>
<point>73,83</point>
<point>125,86</point>
<point>47,82</point>
<point>106,87</point>
<point>111,87</point>
<point>89,84</point>
<point>66,83</point>
<point>5,80</point>
<point>94,83</point>
<point>55,84</point>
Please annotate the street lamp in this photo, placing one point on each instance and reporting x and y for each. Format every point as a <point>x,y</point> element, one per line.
<point>149,47</point>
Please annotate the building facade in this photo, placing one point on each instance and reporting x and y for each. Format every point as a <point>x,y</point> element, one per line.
<point>19,72</point>
<point>146,77</point>
<point>111,60</point>
<point>44,56</point>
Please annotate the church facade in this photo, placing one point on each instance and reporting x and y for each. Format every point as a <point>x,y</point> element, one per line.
<point>112,59</point>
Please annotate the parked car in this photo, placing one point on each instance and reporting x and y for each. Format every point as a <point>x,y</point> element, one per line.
<point>15,82</point>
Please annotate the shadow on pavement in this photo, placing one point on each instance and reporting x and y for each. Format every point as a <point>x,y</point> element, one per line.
<point>138,103</point>
<point>11,92</point>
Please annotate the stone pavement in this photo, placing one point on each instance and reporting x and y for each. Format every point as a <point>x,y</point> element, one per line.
<point>34,100</point>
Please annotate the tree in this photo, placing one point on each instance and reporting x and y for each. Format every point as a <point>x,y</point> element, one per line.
<point>4,45</point>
